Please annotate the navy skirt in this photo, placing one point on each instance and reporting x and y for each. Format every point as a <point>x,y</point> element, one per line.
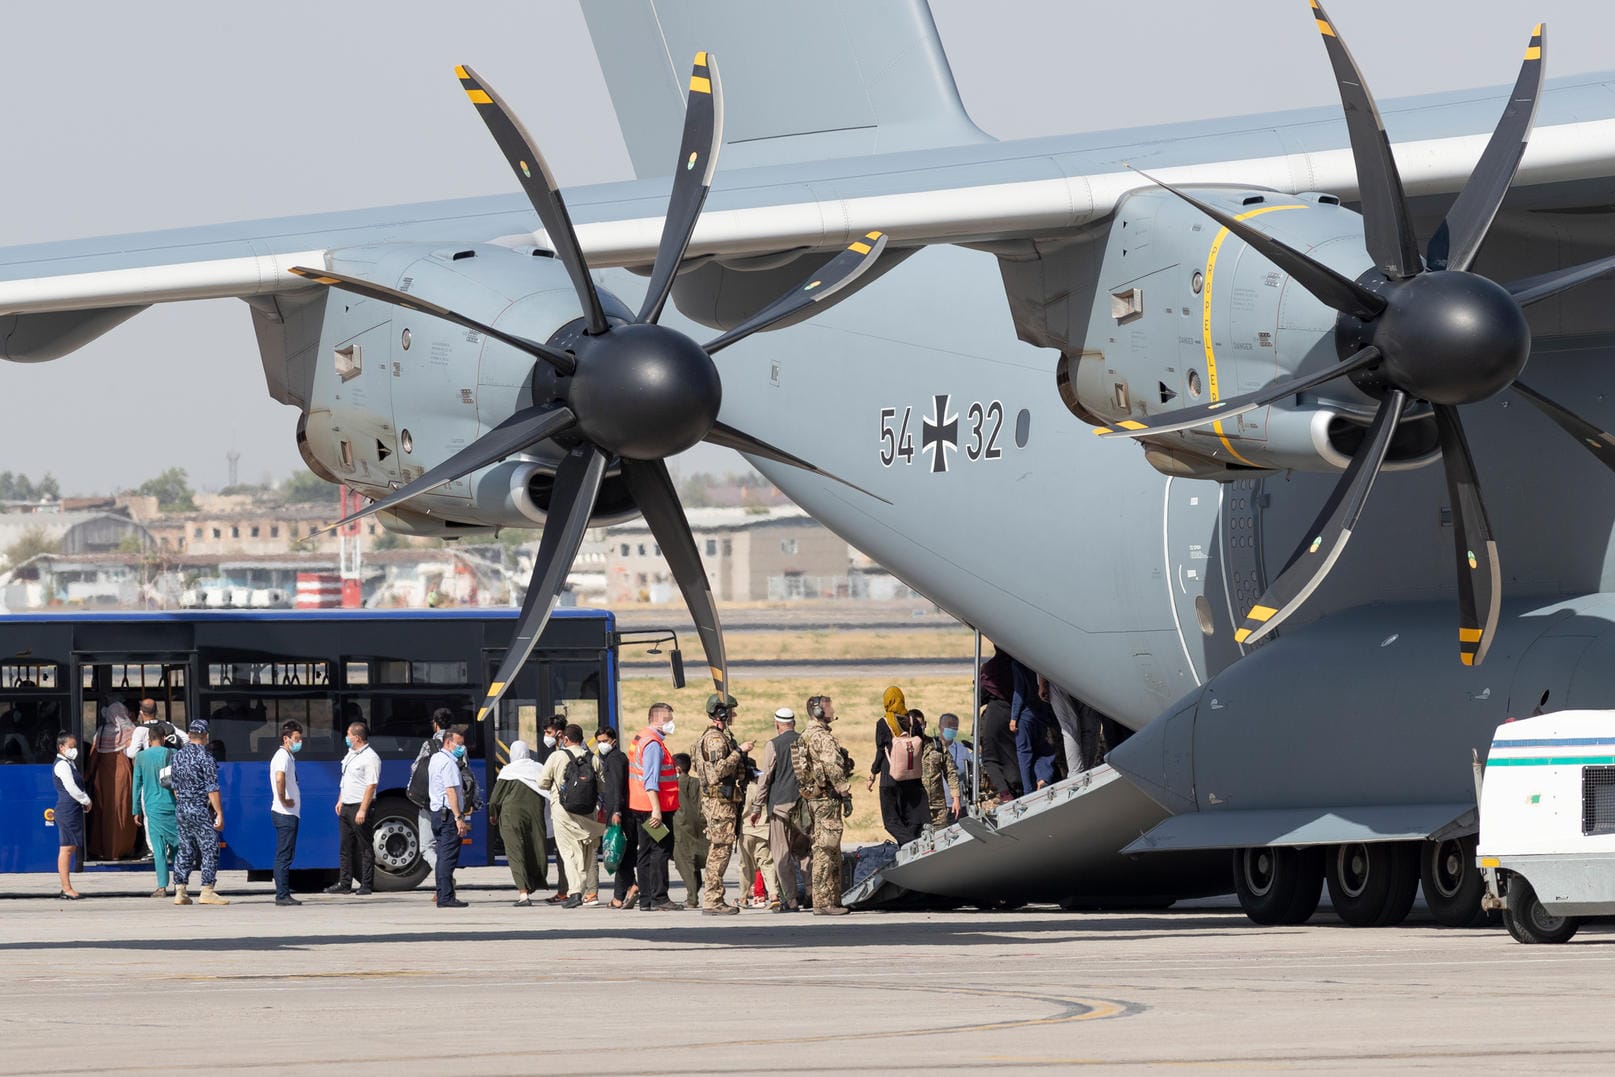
<point>70,825</point>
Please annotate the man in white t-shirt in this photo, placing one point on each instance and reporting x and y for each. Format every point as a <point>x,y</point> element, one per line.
<point>285,808</point>
<point>361,771</point>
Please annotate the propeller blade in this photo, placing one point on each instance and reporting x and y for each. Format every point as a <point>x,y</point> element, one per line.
<point>692,179</point>
<point>538,181</point>
<point>1185,418</point>
<point>1547,285</point>
<point>577,484</point>
<point>730,438</point>
<point>1480,581</point>
<point>1331,288</point>
<point>652,490</point>
<point>561,361</point>
<point>1330,531</point>
<point>1387,225</point>
<point>521,431</point>
<point>1598,442</point>
<point>840,271</point>
<point>1457,241</point>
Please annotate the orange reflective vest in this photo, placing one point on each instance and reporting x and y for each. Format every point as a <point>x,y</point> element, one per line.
<point>667,792</point>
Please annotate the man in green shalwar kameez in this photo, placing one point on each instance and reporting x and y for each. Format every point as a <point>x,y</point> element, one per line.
<point>153,804</point>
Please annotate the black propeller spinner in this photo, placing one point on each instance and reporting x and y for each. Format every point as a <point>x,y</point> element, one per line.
<point>635,392</point>
<point>1430,331</point>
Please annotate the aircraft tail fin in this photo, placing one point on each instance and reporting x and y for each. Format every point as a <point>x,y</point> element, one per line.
<point>836,78</point>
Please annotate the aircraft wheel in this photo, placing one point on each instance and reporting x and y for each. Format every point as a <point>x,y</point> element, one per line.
<point>1372,884</point>
<point>1452,883</point>
<point>1529,922</point>
<point>1278,885</point>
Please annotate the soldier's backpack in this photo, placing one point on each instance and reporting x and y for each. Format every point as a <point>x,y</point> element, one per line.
<point>807,775</point>
<point>580,792</point>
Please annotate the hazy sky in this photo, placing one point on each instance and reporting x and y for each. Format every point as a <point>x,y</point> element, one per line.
<point>129,117</point>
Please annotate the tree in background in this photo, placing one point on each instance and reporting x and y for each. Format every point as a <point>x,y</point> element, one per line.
<point>33,542</point>
<point>20,488</point>
<point>305,487</point>
<point>171,489</point>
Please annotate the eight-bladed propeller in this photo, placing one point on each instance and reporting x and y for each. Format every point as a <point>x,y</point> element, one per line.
<point>635,392</point>
<point>1407,331</point>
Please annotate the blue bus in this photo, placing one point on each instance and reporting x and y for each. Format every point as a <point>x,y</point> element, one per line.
<point>247,672</point>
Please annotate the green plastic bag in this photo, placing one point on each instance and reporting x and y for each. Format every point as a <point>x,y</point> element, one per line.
<point>611,847</point>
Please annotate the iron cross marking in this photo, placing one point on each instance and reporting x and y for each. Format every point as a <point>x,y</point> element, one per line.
<point>940,433</point>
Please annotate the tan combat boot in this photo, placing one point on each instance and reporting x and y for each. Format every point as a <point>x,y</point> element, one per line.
<point>180,897</point>
<point>209,897</point>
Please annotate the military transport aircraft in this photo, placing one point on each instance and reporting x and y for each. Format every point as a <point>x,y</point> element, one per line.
<point>1261,318</point>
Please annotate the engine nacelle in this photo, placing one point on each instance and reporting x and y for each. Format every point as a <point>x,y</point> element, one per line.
<point>395,392</point>
<point>1188,313</point>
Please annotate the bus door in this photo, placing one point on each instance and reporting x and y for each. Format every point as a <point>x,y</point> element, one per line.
<point>101,680</point>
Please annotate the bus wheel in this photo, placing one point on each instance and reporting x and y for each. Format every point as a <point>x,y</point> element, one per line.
<point>1278,885</point>
<point>1451,881</point>
<point>397,842</point>
<point>1528,921</point>
<point>1372,884</point>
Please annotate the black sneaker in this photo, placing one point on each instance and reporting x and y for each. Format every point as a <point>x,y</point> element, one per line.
<point>287,901</point>
<point>363,891</point>
<point>453,903</point>
<point>573,902</point>
<point>339,888</point>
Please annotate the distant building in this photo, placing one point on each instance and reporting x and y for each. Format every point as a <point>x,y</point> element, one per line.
<point>250,529</point>
<point>74,532</point>
<point>749,556</point>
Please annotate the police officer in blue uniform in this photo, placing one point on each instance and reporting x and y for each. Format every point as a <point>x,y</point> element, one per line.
<point>199,813</point>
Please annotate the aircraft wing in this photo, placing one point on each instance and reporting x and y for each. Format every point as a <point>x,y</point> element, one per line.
<point>984,192</point>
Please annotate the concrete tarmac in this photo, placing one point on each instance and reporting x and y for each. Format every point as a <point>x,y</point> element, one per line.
<point>390,984</point>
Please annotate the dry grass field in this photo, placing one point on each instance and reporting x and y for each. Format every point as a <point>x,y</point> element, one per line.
<point>851,644</point>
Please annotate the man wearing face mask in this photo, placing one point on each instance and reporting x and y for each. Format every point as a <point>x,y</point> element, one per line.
<point>199,814</point>
<point>361,772</point>
<point>653,796</point>
<point>959,789</point>
<point>448,821</point>
<point>285,808</point>
<point>614,812</point>
<point>554,727</point>
<point>822,768</point>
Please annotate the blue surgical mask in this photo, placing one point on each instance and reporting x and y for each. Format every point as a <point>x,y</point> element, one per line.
<point>348,741</point>
<point>296,747</point>
<point>949,734</point>
<point>459,751</point>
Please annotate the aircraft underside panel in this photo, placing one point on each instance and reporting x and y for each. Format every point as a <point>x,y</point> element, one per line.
<point>1060,844</point>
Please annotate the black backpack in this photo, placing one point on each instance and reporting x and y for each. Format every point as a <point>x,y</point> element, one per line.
<point>580,791</point>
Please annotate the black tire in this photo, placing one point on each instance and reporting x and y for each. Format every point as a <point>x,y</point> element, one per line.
<point>1452,882</point>
<point>1529,922</point>
<point>1372,884</point>
<point>397,842</point>
<point>1278,886</point>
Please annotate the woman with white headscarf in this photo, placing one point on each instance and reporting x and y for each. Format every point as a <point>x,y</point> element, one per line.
<point>111,774</point>
<point>517,808</point>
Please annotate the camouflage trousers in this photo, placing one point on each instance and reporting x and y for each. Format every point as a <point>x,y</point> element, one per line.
<point>827,824</point>
<point>939,815</point>
<point>722,818</point>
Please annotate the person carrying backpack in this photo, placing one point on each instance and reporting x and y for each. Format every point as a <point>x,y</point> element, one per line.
<point>898,767</point>
<point>572,778</point>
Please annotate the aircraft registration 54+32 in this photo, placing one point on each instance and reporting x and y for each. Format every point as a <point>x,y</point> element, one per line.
<point>1297,466</point>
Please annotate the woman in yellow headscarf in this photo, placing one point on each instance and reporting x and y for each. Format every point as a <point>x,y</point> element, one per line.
<point>903,803</point>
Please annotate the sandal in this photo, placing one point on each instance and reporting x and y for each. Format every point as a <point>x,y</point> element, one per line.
<point>558,899</point>
<point>65,896</point>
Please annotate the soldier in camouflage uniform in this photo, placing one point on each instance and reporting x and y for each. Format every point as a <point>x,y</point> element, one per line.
<point>822,770</point>
<point>936,766</point>
<point>722,768</point>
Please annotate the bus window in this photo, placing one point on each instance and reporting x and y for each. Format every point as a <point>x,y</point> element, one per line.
<point>32,702</point>
<point>400,722</point>
<point>575,691</point>
<point>129,683</point>
<point>243,728</point>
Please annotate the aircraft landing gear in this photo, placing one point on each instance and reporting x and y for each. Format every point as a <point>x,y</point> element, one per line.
<point>1452,882</point>
<point>1278,885</point>
<point>1372,884</point>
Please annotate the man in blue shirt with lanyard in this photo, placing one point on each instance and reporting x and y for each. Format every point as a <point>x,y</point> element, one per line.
<point>448,826</point>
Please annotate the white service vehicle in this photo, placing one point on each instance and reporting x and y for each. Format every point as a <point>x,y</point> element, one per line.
<point>1547,823</point>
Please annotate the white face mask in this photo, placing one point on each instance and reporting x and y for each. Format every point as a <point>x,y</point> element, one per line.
<point>549,742</point>
<point>71,754</point>
<point>604,746</point>
<point>667,727</point>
